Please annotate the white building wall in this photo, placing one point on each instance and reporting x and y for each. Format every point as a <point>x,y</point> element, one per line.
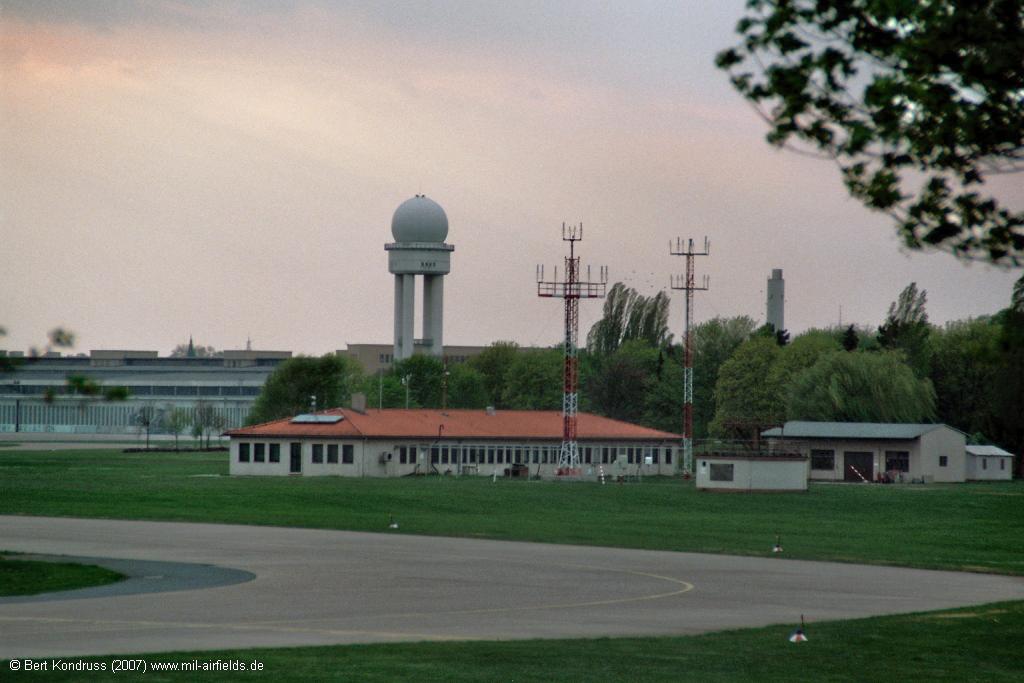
<point>754,474</point>
<point>383,458</point>
<point>989,467</point>
<point>947,443</point>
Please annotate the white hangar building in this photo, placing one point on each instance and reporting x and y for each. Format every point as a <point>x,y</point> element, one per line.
<point>397,442</point>
<point>985,463</point>
<point>864,451</point>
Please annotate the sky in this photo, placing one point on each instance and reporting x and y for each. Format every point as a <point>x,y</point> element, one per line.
<point>228,171</point>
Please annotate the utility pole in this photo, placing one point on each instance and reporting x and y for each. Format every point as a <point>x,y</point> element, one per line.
<point>687,284</point>
<point>572,289</point>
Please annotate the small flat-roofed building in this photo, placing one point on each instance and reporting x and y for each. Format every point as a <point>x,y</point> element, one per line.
<point>986,463</point>
<point>739,472</point>
<point>398,442</point>
<point>868,451</point>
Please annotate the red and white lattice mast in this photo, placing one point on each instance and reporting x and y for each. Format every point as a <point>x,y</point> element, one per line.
<point>572,289</point>
<point>686,283</point>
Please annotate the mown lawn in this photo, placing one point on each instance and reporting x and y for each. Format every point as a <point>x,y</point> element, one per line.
<point>976,527</point>
<point>973,644</point>
<point>28,577</point>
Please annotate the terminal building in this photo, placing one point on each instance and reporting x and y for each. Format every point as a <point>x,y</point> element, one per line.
<point>35,397</point>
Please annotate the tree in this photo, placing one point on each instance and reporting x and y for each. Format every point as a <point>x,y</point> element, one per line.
<point>964,370</point>
<point>801,354</point>
<point>493,363</point>
<point>147,418</point>
<point>850,339</point>
<point>906,328</point>
<point>467,387</point>
<point>618,386</point>
<point>535,381</point>
<point>290,388</point>
<point>894,91</point>
<point>628,315</point>
<point>860,387</point>
<point>176,420</point>
<point>425,376</point>
<point>191,350</point>
<point>745,399</point>
<point>714,342</point>
<point>1008,392</point>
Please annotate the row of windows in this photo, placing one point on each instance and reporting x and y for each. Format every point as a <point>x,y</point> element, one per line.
<point>101,414</point>
<point>263,452</point>
<point>895,461</point>
<point>138,390</point>
<point>259,452</point>
<point>1002,463</point>
<point>537,455</point>
<point>347,454</point>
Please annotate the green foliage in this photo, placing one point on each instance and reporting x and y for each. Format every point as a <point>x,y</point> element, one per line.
<point>796,357</point>
<point>860,387</point>
<point>493,363</point>
<point>627,316</point>
<point>289,388</point>
<point>906,328</point>
<point>714,342</point>
<point>618,385</point>
<point>467,387</point>
<point>965,368</point>
<point>895,92</point>
<point>850,339</point>
<point>745,398</point>
<point>424,376</point>
<point>534,381</point>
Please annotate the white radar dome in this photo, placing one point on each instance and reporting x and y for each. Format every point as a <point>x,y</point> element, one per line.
<point>419,220</point>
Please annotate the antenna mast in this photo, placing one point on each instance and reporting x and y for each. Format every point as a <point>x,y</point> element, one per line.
<point>687,284</point>
<point>572,289</point>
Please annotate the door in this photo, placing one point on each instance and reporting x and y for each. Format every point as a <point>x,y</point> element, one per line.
<point>858,466</point>
<point>296,458</point>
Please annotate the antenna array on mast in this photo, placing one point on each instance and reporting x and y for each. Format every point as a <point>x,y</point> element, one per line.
<point>572,289</point>
<point>687,284</point>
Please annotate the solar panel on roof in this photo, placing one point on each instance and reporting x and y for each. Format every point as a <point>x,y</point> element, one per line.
<point>317,419</point>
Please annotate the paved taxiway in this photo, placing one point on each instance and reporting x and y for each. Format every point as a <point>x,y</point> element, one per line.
<point>322,587</point>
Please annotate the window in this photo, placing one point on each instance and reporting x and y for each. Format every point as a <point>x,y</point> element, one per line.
<point>668,456</point>
<point>721,472</point>
<point>629,455</point>
<point>587,454</point>
<point>605,454</point>
<point>435,455</point>
<point>332,453</point>
<point>500,458</point>
<point>258,451</point>
<point>943,460</point>
<point>898,461</point>
<point>275,452</point>
<point>984,463</point>
<point>401,455</point>
<point>823,460</point>
<point>243,452</point>
<point>490,455</point>
<point>318,453</point>
<point>446,454</point>
<point>518,455</point>
<point>347,454</point>
<point>654,455</point>
<point>536,455</point>
<point>1002,463</point>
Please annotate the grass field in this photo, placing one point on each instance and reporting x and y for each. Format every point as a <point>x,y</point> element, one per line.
<point>974,644</point>
<point>28,577</point>
<point>976,527</point>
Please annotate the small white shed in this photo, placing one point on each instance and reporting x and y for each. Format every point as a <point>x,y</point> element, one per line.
<point>740,472</point>
<point>986,463</point>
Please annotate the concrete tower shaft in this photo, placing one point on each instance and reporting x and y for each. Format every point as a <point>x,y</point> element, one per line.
<point>419,227</point>
<point>776,302</point>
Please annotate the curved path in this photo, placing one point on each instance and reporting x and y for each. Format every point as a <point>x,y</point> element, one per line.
<point>322,587</point>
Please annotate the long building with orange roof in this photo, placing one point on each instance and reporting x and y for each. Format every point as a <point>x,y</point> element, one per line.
<point>397,442</point>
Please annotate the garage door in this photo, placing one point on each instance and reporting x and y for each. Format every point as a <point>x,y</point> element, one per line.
<point>857,464</point>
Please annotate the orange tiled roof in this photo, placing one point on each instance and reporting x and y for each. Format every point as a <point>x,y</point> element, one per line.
<point>453,424</point>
